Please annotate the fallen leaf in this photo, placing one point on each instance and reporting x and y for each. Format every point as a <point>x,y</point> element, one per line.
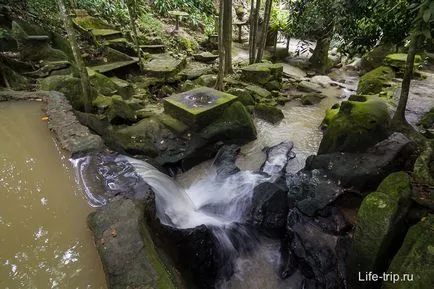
<point>44,118</point>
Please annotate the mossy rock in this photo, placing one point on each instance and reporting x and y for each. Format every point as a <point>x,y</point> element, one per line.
<point>208,80</point>
<point>423,171</point>
<point>262,73</point>
<point>173,124</point>
<point>375,80</point>
<point>375,57</point>
<point>268,113</point>
<point>258,92</point>
<point>138,139</point>
<point>189,85</point>
<point>427,121</point>
<point>399,60</point>
<point>415,257</point>
<point>102,83</point>
<point>380,219</point>
<point>355,127</point>
<point>273,85</point>
<point>330,114</point>
<point>311,98</point>
<point>102,102</point>
<point>88,23</point>
<point>244,96</point>
<point>71,87</point>
<point>235,126</point>
<point>120,112</point>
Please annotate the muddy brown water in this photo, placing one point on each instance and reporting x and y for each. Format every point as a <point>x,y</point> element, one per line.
<point>44,240</point>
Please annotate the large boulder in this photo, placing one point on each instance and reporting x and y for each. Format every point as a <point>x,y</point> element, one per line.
<point>374,81</point>
<point>375,57</point>
<point>268,113</point>
<point>235,125</point>
<point>70,86</point>
<point>399,60</point>
<point>126,248</point>
<point>262,73</point>
<point>380,222</point>
<point>415,259</point>
<point>357,126</point>
<point>362,172</point>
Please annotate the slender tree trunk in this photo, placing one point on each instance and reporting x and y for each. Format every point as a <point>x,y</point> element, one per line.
<point>399,116</point>
<point>252,24</point>
<point>219,83</point>
<point>84,77</point>
<point>264,33</point>
<point>132,12</point>
<point>255,30</point>
<point>227,34</point>
<point>320,55</point>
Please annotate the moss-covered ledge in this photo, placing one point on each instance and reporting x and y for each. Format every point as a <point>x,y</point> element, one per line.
<point>69,132</point>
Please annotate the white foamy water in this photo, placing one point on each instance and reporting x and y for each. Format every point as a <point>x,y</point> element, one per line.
<point>209,201</point>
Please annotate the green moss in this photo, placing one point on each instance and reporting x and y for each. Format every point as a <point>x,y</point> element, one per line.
<point>427,121</point>
<point>268,113</point>
<point>173,124</point>
<point>375,57</point>
<point>375,80</point>
<point>120,112</point>
<point>379,221</point>
<point>244,96</point>
<point>102,102</point>
<point>423,169</point>
<point>87,23</point>
<point>70,86</point>
<point>208,80</point>
<point>235,124</point>
<point>187,43</point>
<point>355,127</point>
<point>262,73</point>
<point>258,92</point>
<point>415,257</point>
<point>399,60</point>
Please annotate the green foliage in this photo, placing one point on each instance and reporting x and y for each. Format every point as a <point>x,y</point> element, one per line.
<point>278,18</point>
<point>200,11</point>
<point>3,33</point>
<point>310,18</point>
<point>110,10</point>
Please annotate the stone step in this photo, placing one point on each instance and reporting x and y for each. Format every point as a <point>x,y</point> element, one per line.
<point>105,68</point>
<point>164,65</point>
<point>106,34</point>
<point>153,48</point>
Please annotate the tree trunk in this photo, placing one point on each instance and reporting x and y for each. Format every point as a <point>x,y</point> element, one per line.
<point>252,24</point>
<point>84,77</point>
<point>264,33</point>
<point>219,83</point>
<point>227,34</point>
<point>132,12</point>
<point>255,31</point>
<point>399,116</point>
<point>320,55</point>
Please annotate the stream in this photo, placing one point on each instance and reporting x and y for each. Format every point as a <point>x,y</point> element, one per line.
<point>44,239</point>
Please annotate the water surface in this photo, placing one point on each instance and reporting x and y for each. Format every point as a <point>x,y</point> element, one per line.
<point>44,240</point>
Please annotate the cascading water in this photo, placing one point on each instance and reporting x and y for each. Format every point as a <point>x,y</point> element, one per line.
<point>221,202</point>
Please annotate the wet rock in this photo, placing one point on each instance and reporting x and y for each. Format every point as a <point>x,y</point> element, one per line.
<point>380,222</point>
<point>173,124</point>
<point>258,92</point>
<point>225,161</point>
<point>311,99</point>
<point>268,113</point>
<point>375,81</point>
<point>330,114</point>
<point>312,191</point>
<point>415,257</point>
<point>317,255</point>
<point>191,73</point>
<point>362,172</point>
<point>126,248</point>
<point>270,206</point>
<point>310,87</point>
<point>357,126</point>
<point>277,159</point>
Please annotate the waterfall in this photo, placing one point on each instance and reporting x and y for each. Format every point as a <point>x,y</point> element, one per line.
<point>210,201</point>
